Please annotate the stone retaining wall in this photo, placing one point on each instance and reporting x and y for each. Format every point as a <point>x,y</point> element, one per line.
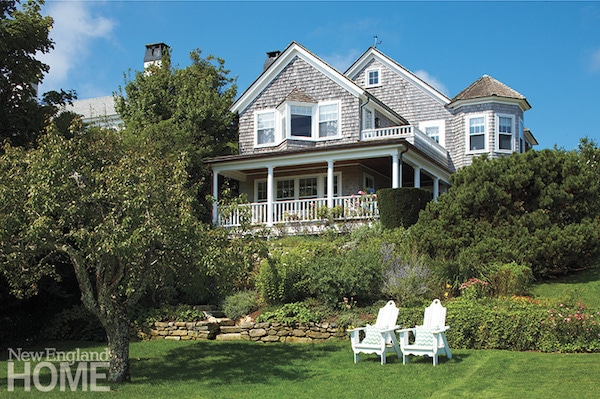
<point>227,330</point>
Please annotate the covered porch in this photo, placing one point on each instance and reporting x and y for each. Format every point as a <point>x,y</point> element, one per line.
<point>324,185</point>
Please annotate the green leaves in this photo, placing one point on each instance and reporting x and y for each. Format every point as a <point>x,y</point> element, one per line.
<point>539,209</point>
<point>174,111</point>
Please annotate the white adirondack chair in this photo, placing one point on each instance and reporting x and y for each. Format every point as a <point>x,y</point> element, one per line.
<point>430,338</point>
<point>379,338</point>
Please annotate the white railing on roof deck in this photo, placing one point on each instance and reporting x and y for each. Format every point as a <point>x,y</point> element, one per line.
<point>352,207</point>
<point>411,133</point>
<point>387,132</point>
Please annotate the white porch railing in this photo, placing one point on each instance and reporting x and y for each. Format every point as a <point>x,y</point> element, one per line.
<point>411,133</point>
<point>352,207</point>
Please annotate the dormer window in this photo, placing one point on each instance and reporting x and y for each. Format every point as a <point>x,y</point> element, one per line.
<point>296,120</point>
<point>373,77</point>
<point>301,121</point>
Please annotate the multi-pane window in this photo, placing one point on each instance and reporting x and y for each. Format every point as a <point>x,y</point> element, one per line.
<point>373,78</point>
<point>261,191</point>
<point>505,133</point>
<point>265,128</point>
<point>328,120</point>
<point>300,121</point>
<point>285,189</point>
<point>307,187</point>
<point>477,133</point>
<point>433,132</point>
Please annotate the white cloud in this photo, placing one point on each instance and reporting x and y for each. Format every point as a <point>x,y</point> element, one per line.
<point>433,81</point>
<point>75,27</point>
<point>342,62</point>
<point>595,61</point>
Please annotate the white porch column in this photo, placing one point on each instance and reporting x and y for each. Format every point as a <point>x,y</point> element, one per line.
<point>330,184</point>
<point>436,188</point>
<point>215,187</point>
<point>269,196</point>
<point>417,177</point>
<point>396,171</point>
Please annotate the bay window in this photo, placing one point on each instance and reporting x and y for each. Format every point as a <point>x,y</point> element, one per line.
<point>505,132</point>
<point>477,138</point>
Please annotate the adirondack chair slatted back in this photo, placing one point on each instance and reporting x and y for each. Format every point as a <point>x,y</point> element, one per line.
<point>387,316</point>
<point>435,315</point>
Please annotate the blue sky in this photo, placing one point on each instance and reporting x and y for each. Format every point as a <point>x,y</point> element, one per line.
<point>548,51</point>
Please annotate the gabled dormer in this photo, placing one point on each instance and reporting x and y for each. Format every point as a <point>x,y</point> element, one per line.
<point>489,116</point>
<point>299,101</point>
<point>421,104</point>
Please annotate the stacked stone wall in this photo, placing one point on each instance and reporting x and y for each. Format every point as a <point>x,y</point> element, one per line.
<point>227,330</point>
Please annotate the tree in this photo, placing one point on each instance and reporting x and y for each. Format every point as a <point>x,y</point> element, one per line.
<point>539,209</point>
<point>24,34</point>
<point>120,215</point>
<point>182,110</point>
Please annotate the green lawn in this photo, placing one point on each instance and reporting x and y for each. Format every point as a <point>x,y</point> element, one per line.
<point>209,369</point>
<point>582,286</point>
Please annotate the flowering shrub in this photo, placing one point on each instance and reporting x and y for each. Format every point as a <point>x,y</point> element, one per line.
<point>572,329</point>
<point>474,288</point>
<point>520,323</point>
<point>406,279</point>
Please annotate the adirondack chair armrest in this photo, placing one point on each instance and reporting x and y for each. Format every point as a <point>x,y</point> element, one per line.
<point>440,330</point>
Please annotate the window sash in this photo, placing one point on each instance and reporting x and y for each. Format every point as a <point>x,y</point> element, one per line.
<point>433,132</point>
<point>328,120</point>
<point>300,121</point>
<point>286,189</point>
<point>477,133</point>
<point>265,128</point>
<point>307,187</point>
<point>373,77</point>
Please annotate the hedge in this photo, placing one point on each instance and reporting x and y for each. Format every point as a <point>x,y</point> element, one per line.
<point>400,207</point>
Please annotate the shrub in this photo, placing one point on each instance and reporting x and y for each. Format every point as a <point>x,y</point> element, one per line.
<point>400,207</point>
<point>474,288</point>
<point>167,313</point>
<point>290,313</point>
<point>522,324</point>
<point>240,304</point>
<point>511,279</point>
<point>539,209</point>
<point>406,278</point>
<point>74,324</point>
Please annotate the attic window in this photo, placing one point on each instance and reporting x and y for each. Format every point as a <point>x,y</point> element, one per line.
<point>373,77</point>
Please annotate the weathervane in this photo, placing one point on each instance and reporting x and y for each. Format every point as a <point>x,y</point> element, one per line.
<point>377,41</point>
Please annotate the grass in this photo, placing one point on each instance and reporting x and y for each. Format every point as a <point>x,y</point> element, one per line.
<point>582,286</point>
<point>209,369</point>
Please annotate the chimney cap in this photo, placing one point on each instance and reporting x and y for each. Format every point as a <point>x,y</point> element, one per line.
<point>155,51</point>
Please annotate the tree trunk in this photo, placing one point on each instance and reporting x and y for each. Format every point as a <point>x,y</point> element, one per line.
<point>117,332</point>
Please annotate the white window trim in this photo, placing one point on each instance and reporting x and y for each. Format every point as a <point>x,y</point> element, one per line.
<point>374,69</point>
<point>277,134</point>
<point>485,134</point>
<point>512,139</point>
<point>440,124</point>
<point>320,186</point>
<point>314,121</point>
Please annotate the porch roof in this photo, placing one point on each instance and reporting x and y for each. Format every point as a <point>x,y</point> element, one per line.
<point>339,152</point>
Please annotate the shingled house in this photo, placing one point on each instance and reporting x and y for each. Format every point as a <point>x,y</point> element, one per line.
<point>312,138</point>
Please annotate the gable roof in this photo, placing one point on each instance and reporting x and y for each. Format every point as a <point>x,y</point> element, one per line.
<point>488,88</point>
<point>286,56</point>
<point>373,52</point>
